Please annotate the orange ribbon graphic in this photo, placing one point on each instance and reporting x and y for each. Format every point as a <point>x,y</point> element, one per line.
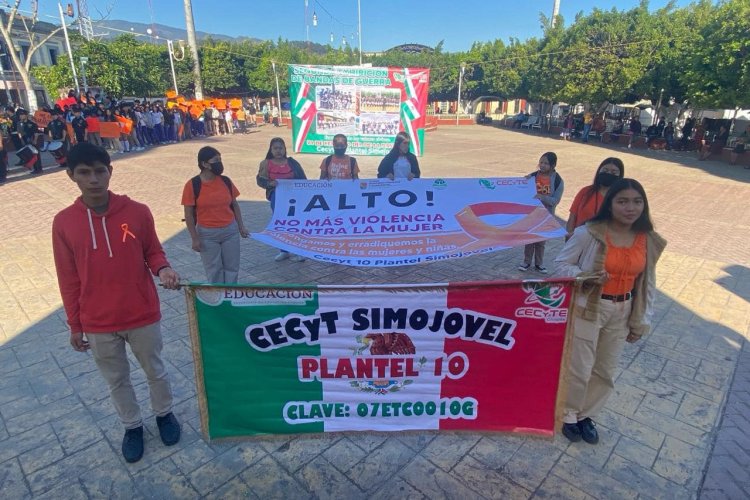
<point>536,220</point>
<point>126,232</point>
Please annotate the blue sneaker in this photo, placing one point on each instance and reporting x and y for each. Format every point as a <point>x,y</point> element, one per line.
<point>132,445</point>
<point>169,429</point>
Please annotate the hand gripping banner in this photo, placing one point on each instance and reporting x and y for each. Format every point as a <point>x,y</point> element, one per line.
<point>381,222</point>
<point>294,359</point>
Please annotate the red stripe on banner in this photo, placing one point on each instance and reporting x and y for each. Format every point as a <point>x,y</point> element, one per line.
<point>516,389</point>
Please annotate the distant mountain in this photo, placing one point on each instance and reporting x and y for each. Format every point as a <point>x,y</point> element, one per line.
<point>113,28</point>
<point>110,29</point>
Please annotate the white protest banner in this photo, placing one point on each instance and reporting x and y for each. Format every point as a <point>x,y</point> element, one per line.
<point>382,222</point>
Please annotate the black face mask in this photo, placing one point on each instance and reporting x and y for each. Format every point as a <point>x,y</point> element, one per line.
<point>217,168</point>
<point>339,151</point>
<point>606,179</point>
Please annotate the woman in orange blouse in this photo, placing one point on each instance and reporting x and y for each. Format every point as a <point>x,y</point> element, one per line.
<point>589,199</point>
<point>614,256</point>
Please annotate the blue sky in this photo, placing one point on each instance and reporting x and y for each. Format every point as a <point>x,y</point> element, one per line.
<point>385,23</point>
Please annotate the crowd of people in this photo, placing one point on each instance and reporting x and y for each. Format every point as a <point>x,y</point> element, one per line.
<point>662,135</point>
<point>142,124</point>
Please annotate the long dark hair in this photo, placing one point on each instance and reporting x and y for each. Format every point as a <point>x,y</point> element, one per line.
<point>400,137</point>
<point>596,185</point>
<point>269,155</point>
<point>643,224</point>
<point>551,159</point>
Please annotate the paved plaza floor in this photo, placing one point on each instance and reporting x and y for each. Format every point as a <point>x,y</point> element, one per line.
<point>673,428</point>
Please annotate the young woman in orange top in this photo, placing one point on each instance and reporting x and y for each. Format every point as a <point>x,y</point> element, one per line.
<point>614,256</point>
<point>587,202</point>
<point>214,218</point>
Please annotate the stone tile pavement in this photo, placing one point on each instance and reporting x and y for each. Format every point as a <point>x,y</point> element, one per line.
<point>672,422</point>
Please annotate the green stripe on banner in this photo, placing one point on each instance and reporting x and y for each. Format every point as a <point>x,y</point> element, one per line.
<point>246,390</point>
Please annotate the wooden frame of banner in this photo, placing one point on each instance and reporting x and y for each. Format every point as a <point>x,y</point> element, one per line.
<point>562,383</point>
<point>562,386</point>
<point>197,361</point>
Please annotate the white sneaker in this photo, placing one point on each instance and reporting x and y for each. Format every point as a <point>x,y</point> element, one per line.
<point>297,258</point>
<point>281,256</point>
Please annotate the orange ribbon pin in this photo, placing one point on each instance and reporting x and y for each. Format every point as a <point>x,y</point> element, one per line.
<point>126,232</point>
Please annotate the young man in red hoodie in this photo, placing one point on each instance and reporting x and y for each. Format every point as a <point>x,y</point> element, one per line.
<point>106,248</point>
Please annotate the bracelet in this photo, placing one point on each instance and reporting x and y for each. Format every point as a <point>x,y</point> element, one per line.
<point>162,268</point>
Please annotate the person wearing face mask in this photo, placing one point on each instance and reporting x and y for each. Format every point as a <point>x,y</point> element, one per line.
<point>587,202</point>
<point>214,218</point>
<point>399,162</point>
<point>339,165</point>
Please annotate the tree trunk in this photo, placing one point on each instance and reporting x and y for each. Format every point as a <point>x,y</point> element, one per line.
<point>31,102</point>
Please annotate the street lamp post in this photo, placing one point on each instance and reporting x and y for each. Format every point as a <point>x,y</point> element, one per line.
<point>278,93</point>
<point>359,29</point>
<point>70,52</point>
<point>658,108</point>
<point>458,103</point>
<point>173,57</point>
<point>84,60</point>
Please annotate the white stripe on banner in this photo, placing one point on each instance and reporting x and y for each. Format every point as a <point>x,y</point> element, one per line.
<point>427,347</point>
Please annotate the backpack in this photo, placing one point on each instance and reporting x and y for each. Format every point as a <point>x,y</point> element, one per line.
<point>196,182</point>
<point>352,164</point>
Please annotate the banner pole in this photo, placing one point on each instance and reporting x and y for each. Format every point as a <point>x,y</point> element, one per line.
<point>200,383</point>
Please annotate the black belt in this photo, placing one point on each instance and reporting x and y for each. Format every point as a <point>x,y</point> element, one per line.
<point>618,298</point>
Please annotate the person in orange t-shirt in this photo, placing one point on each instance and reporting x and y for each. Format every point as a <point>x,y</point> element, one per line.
<point>549,190</point>
<point>587,202</point>
<point>214,218</point>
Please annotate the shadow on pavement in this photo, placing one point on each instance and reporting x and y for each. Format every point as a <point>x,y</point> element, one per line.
<point>59,433</point>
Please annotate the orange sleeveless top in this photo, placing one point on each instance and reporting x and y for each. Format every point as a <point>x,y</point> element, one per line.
<point>624,264</point>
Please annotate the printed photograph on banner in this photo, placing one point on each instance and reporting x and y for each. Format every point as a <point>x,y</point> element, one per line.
<point>332,123</point>
<point>336,98</point>
<point>379,124</point>
<point>380,100</point>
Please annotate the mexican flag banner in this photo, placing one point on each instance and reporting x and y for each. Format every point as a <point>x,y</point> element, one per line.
<point>368,105</point>
<point>301,359</point>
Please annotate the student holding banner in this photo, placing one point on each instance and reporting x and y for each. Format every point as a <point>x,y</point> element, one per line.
<point>399,162</point>
<point>549,190</point>
<point>339,165</point>
<point>614,256</point>
<point>106,253</point>
<point>277,166</point>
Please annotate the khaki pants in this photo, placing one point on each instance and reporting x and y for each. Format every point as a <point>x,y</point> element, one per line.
<point>111,359</point>
<point>595,349</point>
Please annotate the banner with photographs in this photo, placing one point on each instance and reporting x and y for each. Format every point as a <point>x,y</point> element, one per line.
<point>301,359</point>
<point>368,105</point>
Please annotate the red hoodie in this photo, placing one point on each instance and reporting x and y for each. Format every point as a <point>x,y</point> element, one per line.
<point>103,263</point>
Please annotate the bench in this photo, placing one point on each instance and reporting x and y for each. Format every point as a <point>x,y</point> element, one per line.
<point>532,122</point>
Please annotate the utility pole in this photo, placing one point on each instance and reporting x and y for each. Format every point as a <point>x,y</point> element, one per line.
<point>193,43</point>
<point>555,12</point>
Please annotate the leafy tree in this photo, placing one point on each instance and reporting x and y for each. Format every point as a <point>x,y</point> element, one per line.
<point>719,70</point>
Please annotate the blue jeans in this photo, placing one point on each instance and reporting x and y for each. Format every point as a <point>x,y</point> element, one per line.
<point>586,131</point>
